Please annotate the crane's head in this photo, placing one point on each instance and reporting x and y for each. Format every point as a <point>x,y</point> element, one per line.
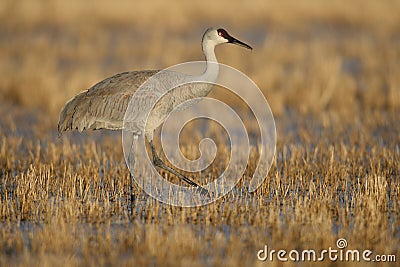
<point>216,36</point>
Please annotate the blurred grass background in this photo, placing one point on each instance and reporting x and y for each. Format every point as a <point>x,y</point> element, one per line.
<point>310,56</point>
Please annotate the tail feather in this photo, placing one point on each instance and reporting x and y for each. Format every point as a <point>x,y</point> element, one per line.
<point>73,114</point>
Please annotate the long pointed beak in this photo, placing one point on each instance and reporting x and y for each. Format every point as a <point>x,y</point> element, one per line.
<point>235,41</point>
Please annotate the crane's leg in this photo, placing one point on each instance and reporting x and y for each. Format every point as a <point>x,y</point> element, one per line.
<point>159,163</point>
<point>131,161</point>
<point>132,197</point>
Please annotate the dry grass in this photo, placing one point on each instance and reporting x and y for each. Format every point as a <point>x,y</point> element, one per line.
<point>329,71</point>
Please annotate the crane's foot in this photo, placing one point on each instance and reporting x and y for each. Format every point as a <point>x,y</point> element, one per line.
<point>204,192</point>
<point>159,163</point>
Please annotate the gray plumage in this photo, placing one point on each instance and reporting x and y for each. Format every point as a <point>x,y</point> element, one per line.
<point>102,106</point>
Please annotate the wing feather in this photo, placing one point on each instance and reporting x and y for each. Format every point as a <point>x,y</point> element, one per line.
<point>102,106</point>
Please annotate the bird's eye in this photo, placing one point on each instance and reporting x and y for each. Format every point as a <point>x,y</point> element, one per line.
<point>222,32</point>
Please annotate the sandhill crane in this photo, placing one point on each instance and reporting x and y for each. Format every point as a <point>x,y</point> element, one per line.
<point>103,106</point>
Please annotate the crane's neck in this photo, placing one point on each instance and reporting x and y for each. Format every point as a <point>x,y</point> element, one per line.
<point>212,67</point>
